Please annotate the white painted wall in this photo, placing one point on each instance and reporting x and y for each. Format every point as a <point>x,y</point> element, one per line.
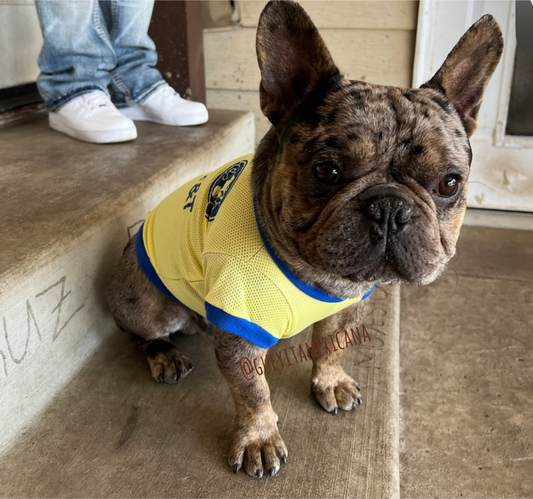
<point>20,43</point>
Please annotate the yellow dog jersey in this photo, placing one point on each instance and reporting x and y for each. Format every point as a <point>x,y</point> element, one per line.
<point>203,246</point>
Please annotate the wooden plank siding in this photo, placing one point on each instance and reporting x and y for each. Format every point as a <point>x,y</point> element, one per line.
<point>369,40</point>
<point>375,14</point>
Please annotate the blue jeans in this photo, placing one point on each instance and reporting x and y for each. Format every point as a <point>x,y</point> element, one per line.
<point>96,45</point>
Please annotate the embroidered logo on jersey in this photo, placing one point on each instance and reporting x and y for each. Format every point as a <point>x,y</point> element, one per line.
<point>220,188</point>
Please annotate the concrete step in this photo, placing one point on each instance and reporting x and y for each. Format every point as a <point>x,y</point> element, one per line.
<point>175,438</point>
<point>80,414</point>
<point>67,209</point>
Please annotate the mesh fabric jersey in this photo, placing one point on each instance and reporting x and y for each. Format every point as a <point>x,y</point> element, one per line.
<point>202,246</point>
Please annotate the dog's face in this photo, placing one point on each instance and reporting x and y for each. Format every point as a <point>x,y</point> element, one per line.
<point>358,181</point>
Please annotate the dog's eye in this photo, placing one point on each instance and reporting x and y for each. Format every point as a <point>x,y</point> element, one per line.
<point>448,186</point>
<point>326,173</point>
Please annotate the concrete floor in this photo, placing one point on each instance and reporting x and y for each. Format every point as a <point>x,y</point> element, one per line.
<point>177,445</point>
<point>467,372</point>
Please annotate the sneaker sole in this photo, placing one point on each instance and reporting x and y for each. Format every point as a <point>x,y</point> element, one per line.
<point>58,124</point>
<point>136,114</point>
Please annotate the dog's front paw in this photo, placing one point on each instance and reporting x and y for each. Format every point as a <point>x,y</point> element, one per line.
<point>257,445</point>
<point>334,389</point>
<point>166,362</point>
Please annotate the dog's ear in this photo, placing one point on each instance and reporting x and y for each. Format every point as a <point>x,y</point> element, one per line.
<point>468,68</point>
<point>292,57</point>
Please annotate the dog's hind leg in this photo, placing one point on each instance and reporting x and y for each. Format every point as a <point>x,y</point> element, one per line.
<point>141,309</point>
<point>167,363</point>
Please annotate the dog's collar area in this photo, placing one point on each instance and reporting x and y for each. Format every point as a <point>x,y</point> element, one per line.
<point>308,289</point>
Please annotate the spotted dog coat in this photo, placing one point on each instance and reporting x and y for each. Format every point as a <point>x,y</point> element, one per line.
<point>354,184</point>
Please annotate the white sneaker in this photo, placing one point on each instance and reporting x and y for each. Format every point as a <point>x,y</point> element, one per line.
<point>166,107</point>
<point>92,117</point>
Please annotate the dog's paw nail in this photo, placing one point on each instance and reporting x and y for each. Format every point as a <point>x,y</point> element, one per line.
<point>335,411</point>
<point>354,405</point>
<point>359,401</point>
<point>159,378</point>
<point>314,383</point>
<point>236,468</point>
<point>259,473</point>
<point>272,471</point>
<point>190,366</point>
<point>284,459</point>
<point>358,387</point>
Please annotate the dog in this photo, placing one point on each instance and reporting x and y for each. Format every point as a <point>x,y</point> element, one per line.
<point>354,184</point>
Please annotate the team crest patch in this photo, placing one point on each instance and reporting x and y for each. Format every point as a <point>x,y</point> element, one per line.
<point>220,188</point>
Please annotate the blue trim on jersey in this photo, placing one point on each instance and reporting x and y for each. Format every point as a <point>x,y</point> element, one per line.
<point>308,289</point>
<point>369,292</point>
<point>241,327</point>
<point>146,265</point>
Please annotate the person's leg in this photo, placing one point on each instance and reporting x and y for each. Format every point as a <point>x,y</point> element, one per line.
<point>137,88</point>
<point>75,61</point>
<point>77,55</point>
<point>134,76</point>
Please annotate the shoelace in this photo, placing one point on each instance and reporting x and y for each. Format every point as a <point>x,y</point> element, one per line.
<point>95,100</point>
<point>168,91</point>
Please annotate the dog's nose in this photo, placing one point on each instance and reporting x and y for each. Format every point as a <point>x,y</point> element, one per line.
<point>388,212</point>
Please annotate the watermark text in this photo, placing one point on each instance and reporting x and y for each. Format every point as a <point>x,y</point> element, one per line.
<point>303,352</point>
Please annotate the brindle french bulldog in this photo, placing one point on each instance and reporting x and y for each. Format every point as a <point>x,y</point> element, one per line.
<point>354,184</point>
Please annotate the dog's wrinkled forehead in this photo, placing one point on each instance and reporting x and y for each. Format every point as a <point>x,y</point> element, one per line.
<point>377,126</point>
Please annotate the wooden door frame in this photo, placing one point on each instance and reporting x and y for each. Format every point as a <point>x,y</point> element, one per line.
<point>502,170</point>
